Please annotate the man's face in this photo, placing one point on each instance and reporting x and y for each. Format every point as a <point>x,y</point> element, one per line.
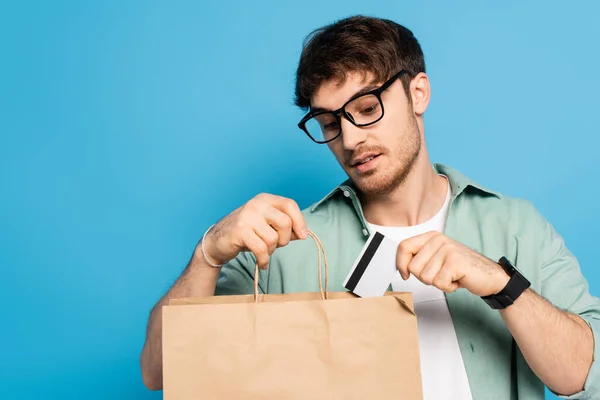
<point>377,157</point>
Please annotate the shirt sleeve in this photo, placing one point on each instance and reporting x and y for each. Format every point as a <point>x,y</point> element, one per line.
<point>563,284</point>
<point>237,276</point>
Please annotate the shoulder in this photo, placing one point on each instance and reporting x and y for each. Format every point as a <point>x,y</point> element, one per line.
<point>519,215</point>
<point>486,203</point>
<point>519,209</point>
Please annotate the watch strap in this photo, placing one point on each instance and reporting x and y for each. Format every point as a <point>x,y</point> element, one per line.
<point>513,289</point>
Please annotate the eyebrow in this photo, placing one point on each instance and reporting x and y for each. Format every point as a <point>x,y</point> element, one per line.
<point>358,93</point>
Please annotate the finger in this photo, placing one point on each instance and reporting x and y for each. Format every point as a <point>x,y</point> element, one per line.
<point>432,269</point>
<point>403,258</point>
<point>267,234</point>
<point>444,280</point>
<point>258,247</point>
<point>415,243</point>
<point>420,261</point>
<point>407,249</point>
<point>282,223</point>
<point>291,208</point>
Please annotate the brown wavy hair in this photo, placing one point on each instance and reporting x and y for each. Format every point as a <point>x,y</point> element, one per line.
<point>356,44</point>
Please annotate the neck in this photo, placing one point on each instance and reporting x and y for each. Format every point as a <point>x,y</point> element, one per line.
<point>418,199</point>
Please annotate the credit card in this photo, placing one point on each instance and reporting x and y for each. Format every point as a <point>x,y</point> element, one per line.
<point>374,268</point>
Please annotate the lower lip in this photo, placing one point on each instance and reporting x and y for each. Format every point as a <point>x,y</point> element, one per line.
<point>368,166</point>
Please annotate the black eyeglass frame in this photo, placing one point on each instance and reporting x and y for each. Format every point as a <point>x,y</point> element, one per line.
<point>336,113</point>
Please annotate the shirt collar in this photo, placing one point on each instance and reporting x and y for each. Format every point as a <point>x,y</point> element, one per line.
<point>458,184</point>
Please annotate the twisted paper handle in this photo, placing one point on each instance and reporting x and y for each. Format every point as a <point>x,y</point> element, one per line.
<point>320,249</point>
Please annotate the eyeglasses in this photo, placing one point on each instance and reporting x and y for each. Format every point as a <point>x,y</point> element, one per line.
<point>362,110</point>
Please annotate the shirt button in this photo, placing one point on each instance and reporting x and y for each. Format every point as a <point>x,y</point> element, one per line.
<point>346,193</point>
<point>365,232</point>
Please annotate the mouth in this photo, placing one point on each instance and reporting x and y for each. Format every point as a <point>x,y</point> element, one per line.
<point>364,159</point>
<point>365,164</point>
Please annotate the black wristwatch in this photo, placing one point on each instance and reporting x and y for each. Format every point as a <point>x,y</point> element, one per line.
<point>513,289</point>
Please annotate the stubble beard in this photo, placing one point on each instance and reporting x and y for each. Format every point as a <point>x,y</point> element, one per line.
<point>385,179</point>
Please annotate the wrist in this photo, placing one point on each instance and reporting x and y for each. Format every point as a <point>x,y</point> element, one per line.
<point>514,284</point>
<point>501,279</point>
<point>207,250</point>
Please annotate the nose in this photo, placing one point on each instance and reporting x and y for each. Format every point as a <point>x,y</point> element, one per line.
<point>352,135</point>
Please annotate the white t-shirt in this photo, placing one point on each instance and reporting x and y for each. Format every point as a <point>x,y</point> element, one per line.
<point>442,368</point>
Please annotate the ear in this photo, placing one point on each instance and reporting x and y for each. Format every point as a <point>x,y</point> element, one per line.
<point>420,92</point>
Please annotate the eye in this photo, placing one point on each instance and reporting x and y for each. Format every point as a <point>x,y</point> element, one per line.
<point>330,126</point>
<point>370,109</point>
<point>366,106</point>
<point>327,121</point>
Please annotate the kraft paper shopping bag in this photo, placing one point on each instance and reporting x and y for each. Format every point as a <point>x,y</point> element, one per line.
<point>325,345</point>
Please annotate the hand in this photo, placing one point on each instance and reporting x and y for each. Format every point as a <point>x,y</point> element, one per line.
<point>261,225</point>
<point>437,260</point>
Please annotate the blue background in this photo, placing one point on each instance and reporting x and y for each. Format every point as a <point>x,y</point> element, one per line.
<point>128,127</point>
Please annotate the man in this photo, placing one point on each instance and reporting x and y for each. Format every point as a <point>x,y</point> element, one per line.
<point>363,82</point>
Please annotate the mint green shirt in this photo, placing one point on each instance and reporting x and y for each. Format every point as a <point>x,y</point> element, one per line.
<point>484,220</point>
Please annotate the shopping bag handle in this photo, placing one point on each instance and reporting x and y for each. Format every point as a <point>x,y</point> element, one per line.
<point>320,248</point>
